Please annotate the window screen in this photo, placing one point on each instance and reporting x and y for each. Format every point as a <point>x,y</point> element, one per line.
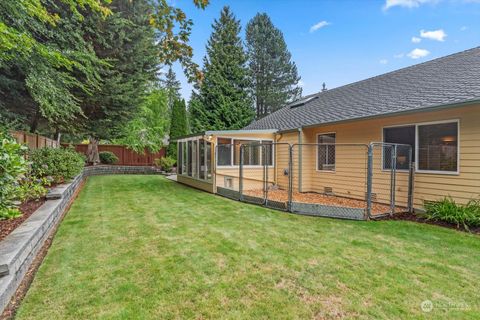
<point>224,152</point>
<point>438,147</point>
<point>400,135</point>
<point>326,151</point>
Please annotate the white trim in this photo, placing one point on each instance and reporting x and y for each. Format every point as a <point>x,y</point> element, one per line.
<point>316,154</point>
<point>416,125</point>
<point>232,166</point>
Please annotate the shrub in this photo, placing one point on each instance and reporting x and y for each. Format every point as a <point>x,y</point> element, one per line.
<point>449,211</point>
<point>166,163</point>
<point>31,188</point>
<point>13,167</point>
<point>108,157</point>
<point>59,164</point>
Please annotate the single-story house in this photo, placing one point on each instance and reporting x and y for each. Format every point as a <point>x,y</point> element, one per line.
<point>396,140</point>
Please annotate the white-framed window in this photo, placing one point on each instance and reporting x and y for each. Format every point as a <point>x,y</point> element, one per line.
<point>435,146</point>
<point>255,152</point>
<point>326,151</point>
<point>438,147</point>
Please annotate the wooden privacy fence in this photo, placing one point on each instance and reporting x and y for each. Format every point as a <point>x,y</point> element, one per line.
<point>126,157</point>
<point>34,141</point>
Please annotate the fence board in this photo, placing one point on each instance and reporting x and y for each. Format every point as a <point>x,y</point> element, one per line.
<point>126,157</point>
<point>34,141</point>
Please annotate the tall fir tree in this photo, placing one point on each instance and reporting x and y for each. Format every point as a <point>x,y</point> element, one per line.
<point>172,86</point>
<point>126,40</point>
<point>178,125</point>
<point>223,102</point>
<point>274,76</point>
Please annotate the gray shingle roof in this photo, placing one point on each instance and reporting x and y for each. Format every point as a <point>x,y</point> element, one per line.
<point>448,80</point>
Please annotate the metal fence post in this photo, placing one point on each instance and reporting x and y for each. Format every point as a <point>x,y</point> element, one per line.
<point>393,178</point>
<point>369,180</point>
<point>290,177</point>
<point>265,174</point>
<point>410,183</point>
<point>240,174</point>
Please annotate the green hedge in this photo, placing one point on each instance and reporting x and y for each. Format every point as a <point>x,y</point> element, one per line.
<point>108,157</point>
<point>59,164</point>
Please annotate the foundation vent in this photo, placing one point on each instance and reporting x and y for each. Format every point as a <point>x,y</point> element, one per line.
<point>228,182</point>
<point>328,190</point>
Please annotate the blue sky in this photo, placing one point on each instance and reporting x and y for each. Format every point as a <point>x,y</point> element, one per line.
<point>339,42</point>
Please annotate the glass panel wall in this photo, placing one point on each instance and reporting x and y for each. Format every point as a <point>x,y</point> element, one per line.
<point>201,155</point>
<point>179,157</point>
<point>208,153</point>
<point>195,159</point>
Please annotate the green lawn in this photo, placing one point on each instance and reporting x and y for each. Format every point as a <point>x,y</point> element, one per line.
<point>143,247</point>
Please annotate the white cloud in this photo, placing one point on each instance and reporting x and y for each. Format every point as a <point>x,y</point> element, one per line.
<point>399,55</point>
<point>383,61</point>
<point>416,39</point>
<point>418,53</point>
<point>406,3</point>
<point>319,25</point>
<point>463,28</point>
<point>437,35</point>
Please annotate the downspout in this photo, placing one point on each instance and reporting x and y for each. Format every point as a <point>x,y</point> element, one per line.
<point>300,159</point>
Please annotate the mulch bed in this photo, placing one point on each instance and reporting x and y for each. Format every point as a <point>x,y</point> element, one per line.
<point>318,198</point>
<point>420,219</point>
<point>27,208</point>
<point>11,308</point>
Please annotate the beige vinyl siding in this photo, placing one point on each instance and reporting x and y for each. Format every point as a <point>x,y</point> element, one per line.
<point>282,159</point>
<point>428,186</point>
<point>253,175</point>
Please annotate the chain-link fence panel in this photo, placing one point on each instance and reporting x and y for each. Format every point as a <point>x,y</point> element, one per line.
<point>278,184</point>
<point>329,179</point>
<point>253,164</point>
<point>227,176</point>
<point>391,178</point>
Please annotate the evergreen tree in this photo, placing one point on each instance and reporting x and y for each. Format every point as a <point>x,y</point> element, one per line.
<point>224,102</point>
<point>274,77</point>
<point>126,40</point>
<point>172,86</point>
<point>178,125</point>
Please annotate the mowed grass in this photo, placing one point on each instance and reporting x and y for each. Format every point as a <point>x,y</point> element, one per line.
<point>143,247</point>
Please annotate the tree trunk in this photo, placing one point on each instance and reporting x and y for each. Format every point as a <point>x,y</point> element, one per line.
<point>34,123</point>
<point>92,152</point>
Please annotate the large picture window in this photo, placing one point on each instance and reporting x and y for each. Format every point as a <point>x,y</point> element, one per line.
<point>438,147</point>
<point>401,135</point>
<point>434,146</point>
<point>228,152</point>
<point>326,152</point>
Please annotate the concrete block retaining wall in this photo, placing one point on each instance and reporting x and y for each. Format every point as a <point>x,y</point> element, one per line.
<point>19,249</point>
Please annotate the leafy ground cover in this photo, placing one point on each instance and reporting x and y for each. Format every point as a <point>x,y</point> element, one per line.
<point>143,247</point>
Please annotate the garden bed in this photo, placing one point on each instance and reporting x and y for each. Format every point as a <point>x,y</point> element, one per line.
<point>420,219</point>
<point>318,198</point>
<point>27,209</point>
